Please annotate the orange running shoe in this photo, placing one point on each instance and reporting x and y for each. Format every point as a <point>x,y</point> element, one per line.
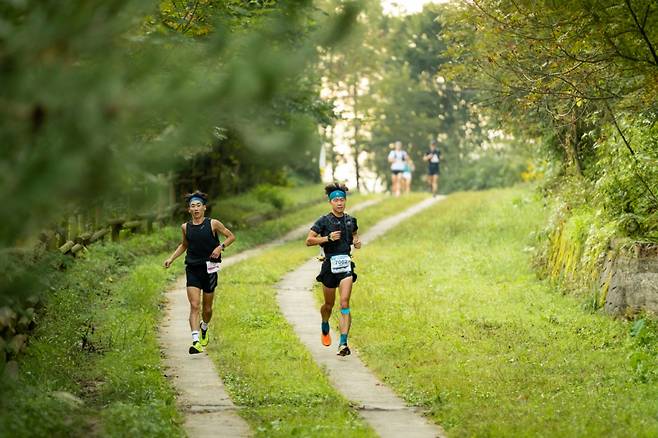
<point>326,340</point>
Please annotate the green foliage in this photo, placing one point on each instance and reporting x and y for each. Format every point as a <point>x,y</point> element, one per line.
<point>415,103</point>
<point>99,98</point>
<point>95,340</point>
<point>271,195</point>
<point>489,170</point>
<point>262,202</point>
<point>470,335</point>
<point>644,334</point>
<point>580,75</point>
<point>621,195</point>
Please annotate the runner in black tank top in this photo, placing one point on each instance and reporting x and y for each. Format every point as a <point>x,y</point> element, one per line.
<point>203,255</point>
<point>202,241</point>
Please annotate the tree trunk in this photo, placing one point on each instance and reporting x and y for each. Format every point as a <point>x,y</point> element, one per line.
<point>355,95</point>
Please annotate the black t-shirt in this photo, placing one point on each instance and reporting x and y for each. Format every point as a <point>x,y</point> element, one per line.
<point>436,157</point>
<point>201,241</point>
<point>330,223</point>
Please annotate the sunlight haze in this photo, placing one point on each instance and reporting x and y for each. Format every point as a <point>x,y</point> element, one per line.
<point>398,7</point>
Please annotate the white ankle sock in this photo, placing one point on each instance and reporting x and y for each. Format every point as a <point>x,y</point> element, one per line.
<point>195,336</point>
<point>204,325</point>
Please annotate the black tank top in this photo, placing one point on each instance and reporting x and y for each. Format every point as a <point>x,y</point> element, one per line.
<point>201,242</point>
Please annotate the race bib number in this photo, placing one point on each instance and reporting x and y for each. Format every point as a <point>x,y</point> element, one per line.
<point>341,263</point>
<point>212,267</point>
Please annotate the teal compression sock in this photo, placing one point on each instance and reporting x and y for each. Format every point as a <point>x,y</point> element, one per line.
<point>325,327</point>
<point>343,339</point>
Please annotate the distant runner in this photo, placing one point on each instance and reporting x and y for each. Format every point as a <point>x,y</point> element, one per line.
<point>407,174</point>
<point>336,232</point>
<point>433,157</point>
<point>204,254</point>
<point>397,157</point>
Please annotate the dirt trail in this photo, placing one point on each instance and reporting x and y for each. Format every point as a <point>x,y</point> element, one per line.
<point>386,413</point>
<point>207,408</point>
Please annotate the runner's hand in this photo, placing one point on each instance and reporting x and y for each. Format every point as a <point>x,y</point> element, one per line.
<point>335,235</point>
<point>167,263</point>
<point>215,254</point>
<point>357,242</point>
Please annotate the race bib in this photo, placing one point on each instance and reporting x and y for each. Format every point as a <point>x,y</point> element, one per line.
<point>340,263</point>
<point>212,267</point>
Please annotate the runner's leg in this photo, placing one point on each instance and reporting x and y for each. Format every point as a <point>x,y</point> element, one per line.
<point>345,321</point>
<point>329,300</point>
<point>207,306</point>
<point>194,297</point>
<point>325,312</point>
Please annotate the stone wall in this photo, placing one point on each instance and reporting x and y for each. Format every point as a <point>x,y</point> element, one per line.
<point>629,279</point>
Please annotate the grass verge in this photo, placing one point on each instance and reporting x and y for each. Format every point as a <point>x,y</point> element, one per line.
<point>449,313</point>
<point>93,364</point>
<point>264,366</point>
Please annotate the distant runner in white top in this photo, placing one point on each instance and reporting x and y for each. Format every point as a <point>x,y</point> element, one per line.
<point>397,157</point>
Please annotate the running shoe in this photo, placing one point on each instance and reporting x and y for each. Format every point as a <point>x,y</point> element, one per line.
<point>204,338</point>
<point>196,348</point>
<point>343,350</point>
<point>326,339</point>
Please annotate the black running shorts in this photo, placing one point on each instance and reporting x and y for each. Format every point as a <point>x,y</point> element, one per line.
<point>434,169</point>
<point>197,276</point>
<point>330,279</point>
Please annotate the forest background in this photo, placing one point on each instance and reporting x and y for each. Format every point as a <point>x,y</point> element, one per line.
<point>118,107</point>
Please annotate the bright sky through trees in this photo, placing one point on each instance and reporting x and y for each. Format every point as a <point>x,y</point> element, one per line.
<point>397,7</point>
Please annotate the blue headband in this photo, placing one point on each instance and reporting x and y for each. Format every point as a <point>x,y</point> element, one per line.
<point>337,194</point>
<point>196,198</point>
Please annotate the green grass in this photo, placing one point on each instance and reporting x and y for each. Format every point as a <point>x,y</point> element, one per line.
<point>448,312</point>
<point>263,364</point>
<point>263,202</point>
<point>95,340</point>
<point>93,366</point>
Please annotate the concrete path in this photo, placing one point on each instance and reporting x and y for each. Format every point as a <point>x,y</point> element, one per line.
<point>208,410</point>
<point>386,413</point>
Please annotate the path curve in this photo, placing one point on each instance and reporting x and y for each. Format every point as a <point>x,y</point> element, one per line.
<point>386,413</point>
<point>201,397</point>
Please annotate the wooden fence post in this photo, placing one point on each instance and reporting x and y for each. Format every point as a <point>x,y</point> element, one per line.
<point>116,225</point>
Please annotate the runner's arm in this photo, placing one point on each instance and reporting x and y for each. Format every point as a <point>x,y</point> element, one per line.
<point>182,247</point>
<point>314,238</point>
<point>356,241</point>
<point>219,227</point>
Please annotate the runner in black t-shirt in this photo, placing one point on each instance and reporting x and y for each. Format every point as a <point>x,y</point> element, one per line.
<point>336,232</point>
<point>204,252</point>
<point>433,157</point>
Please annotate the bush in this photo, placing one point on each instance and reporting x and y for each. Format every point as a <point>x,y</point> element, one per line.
<point>270,194</point>
<point>490,170</point>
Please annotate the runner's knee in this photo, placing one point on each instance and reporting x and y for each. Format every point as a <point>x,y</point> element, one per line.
<point>207,306</point>
<point>195,306</point>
